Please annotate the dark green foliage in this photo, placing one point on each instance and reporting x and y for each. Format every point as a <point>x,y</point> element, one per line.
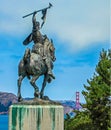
<point>80,122</point>
<point>98,92</point>
<point>97,114</point>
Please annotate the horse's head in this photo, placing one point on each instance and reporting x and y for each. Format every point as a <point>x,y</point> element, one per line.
<point>50,47</point>
<point>52,51</point>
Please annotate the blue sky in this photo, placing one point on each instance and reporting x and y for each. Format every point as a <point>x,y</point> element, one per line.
<point>79,29</point>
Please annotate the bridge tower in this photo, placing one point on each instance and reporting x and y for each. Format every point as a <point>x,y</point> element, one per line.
<point>77,101</point>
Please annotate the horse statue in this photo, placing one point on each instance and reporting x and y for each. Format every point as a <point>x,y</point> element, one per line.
<point>32,66</point>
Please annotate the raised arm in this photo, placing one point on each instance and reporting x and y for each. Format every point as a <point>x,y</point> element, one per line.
<point>34,19</point>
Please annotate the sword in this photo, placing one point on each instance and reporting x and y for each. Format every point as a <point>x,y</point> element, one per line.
<point>50,5</point>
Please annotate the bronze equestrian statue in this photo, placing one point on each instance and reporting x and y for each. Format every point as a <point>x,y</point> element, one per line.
<point>38,61</point>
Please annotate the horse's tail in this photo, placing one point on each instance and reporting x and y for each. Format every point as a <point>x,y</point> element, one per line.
<point>26,56</point>
<point>26,59</point>
<point>21,69</point>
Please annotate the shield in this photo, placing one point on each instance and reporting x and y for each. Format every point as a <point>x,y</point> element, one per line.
<point>28,40</point>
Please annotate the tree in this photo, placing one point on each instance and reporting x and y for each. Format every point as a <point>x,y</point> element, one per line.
<point>80,122</point>
<point>96,115</point>
<point>98,93</point>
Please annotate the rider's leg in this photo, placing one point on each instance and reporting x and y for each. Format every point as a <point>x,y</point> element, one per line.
<point>48,64</point>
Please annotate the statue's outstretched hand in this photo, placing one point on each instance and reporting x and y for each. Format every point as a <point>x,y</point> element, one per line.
<point>35,12</point>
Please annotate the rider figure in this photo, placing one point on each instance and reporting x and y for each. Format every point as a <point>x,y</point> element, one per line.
<point>37,37</point>
<point>39,47</point>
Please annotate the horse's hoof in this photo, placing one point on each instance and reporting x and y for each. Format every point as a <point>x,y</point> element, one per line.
<point>45,98</point>
<point>41,97</point>
<point>49,80</point>
<point>20,99</point>
<point>36,94</point>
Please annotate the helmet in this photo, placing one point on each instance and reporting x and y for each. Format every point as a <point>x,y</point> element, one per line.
<point>37,24</point>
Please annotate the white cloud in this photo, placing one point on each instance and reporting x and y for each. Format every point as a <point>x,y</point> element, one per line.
<point>84,23</point>
<point>79,22</point>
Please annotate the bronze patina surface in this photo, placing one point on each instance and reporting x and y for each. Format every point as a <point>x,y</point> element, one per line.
<point>39,60</point>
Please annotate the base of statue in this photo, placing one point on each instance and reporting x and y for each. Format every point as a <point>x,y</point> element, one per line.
<point>36,117</point>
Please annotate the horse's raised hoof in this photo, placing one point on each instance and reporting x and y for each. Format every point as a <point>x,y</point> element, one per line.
<point>49,80</point>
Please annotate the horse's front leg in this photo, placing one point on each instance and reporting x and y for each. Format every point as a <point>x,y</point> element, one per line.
<point>19,88</point>
<point>32,82</point>
<point>43,86</point>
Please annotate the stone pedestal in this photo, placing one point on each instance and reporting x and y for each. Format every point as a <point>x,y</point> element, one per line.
<point>36,117</point>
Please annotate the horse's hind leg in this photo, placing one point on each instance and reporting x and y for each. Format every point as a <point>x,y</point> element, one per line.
<point>21,77</point>
<point>32,82</point>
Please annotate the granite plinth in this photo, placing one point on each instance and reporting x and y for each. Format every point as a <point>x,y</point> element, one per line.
<point>36,117</point>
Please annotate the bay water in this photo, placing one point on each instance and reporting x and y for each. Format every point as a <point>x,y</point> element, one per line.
<point>3,122</point>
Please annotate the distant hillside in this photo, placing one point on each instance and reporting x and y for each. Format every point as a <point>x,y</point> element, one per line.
<point>68,105</point>
<point>7,99</point>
